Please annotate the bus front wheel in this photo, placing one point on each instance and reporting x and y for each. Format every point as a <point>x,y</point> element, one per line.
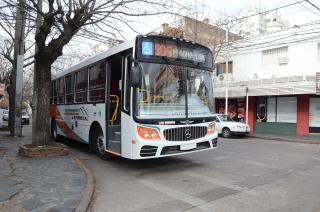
<point>98,141</point>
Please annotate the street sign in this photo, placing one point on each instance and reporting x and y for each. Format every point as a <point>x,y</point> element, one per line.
<point>318,83</point>
<point>2,88</point>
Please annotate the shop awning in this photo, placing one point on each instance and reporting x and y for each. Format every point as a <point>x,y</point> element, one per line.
<point>267,87</point>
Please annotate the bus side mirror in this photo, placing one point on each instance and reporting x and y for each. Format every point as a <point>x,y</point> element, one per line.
<point>135,77</point>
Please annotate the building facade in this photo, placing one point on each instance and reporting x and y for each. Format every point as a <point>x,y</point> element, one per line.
<point>276,72</point>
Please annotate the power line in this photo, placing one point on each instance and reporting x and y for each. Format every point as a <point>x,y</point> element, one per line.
<point>314,36</point>
<point>315,6</point>
<point>309,9</point>
<point>265,12</point>
<point>276,33</point>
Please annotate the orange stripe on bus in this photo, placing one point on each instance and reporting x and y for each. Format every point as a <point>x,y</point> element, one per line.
<point>53,111</point>
<point>114,153</point>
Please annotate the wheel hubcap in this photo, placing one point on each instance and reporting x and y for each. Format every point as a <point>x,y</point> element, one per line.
<point>226,133</point>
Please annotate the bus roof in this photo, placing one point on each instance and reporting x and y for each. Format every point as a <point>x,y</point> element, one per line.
<point>114,50</point>
<point>95,58</point>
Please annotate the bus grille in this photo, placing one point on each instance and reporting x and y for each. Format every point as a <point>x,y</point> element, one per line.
<point>147,151</point>
<point>185,133</point>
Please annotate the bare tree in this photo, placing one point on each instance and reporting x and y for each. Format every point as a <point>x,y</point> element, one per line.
<point>61,21</point>
<point>7,25</point>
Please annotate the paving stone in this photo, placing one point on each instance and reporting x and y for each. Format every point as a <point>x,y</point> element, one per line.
<point>55,183</point>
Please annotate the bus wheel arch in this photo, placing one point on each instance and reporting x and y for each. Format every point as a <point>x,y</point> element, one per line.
<point>96,143</point>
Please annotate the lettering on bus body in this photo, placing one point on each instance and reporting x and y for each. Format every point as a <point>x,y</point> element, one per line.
<point>78,114</point>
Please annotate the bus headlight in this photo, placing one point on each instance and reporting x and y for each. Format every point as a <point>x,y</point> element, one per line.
<point>211,128</point>
<point>148,133</point>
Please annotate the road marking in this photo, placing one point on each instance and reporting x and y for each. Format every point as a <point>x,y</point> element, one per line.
<point>261,164</point>
<point>221,183</point>
<point>194,201</point>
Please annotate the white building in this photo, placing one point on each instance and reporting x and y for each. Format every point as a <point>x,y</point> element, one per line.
<point>279,72</point>
<point>260,24</point>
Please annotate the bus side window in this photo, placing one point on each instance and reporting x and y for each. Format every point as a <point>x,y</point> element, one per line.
<point>69,88</point>
<point>97,82</point>
<point>54,92</point>
<point>127,87</point>
<point>61,90</point>
<point>81,86</point>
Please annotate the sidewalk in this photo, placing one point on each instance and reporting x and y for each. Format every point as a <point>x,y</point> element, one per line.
<point>308,139</point>
<point>37,184</point>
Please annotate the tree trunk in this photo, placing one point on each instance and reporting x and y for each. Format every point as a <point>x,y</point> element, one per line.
<point>41,130</point>
<point>11,92</point>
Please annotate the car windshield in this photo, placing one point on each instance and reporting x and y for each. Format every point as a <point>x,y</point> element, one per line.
<point>167,91</point>
<point>5,112</point>
<point>225,118</point>
<point>24,113</point>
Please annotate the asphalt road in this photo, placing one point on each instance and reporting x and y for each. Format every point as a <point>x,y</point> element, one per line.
<point>242,175</point>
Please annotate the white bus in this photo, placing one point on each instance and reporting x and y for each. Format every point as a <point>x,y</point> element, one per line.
<point>146,98</point>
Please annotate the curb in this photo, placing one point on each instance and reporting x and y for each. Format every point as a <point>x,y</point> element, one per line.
<point>285,139</point>
<point>88,191</point>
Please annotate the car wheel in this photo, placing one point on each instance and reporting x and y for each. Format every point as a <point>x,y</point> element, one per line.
<point>226,133</point>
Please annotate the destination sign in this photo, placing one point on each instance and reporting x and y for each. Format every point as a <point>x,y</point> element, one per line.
<point>172,49</point>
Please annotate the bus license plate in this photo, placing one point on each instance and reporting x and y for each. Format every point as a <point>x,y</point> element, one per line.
<point>188,146</point>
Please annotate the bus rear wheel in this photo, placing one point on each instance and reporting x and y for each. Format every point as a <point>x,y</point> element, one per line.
<point>98,141</point>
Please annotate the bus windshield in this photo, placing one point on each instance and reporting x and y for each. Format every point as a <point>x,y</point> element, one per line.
<point>169,91</point>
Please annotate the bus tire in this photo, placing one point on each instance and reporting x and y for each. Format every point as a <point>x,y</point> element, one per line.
<point>97,140</point>
<point>54,131</point>
<point>226,133</point>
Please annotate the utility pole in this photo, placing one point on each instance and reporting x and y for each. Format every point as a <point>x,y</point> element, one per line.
<point>227,70</point>
<point>18,64</point>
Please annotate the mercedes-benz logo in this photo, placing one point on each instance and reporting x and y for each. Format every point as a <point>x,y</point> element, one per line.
<point>187,133</point>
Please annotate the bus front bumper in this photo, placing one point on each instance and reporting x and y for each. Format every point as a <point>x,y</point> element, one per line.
<point>164,149</point>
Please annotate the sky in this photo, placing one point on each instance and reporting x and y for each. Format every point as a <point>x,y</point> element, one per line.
<point>296,14</point>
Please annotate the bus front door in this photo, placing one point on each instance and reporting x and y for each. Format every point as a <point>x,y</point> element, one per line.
<point>113,142</point>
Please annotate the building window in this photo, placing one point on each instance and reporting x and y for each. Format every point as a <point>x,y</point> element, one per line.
<point>81,86</point>
<point>314,114</point>
<point>276,56</point>
<point>221,68</point>
<point>61,90</point>
<point>97,82</point>
<point>69,88</point>
<point>282,109</point>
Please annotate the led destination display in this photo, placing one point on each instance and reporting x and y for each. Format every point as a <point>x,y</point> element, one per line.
<point>152,49</point>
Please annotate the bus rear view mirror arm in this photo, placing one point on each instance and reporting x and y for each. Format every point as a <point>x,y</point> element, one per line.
<point>135,77</point>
